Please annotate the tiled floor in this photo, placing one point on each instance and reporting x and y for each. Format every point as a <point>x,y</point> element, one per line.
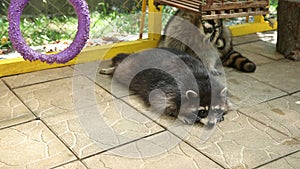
<point>73,117</point>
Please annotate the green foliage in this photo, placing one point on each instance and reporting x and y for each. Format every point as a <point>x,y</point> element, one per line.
<point>3,27</point>
<point>42,30</point>
<point>106,20</point>
<point>273,5</point>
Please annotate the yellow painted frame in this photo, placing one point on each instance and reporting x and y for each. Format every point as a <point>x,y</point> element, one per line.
<point>259,25</point>
<point>19,65</point>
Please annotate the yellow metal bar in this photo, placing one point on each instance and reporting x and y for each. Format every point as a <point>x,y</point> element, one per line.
<point>142,23</point>
<point>155,21</point>
<point>250,28</point>
<point>259,19</point>
<point>19,65</point>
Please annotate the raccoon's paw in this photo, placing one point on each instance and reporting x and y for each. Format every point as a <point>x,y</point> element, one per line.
<point>188,119</point>
<point>215,72</point>
<point>229,106</point>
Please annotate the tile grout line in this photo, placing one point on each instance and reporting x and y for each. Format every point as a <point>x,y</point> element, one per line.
<point>94,81</point>
<point>205,155</point>
<point>276,159</point>
<point>166,129</point>
<point>176,135</point>
<point>60,165</point>
<point>244,43</point>
<point>121,145</point>
<point>279,97</point>
<point>13,92</point>
<point>37,118</point>
<point>74,153</point>
<point>268,84</point>
<point>121,99</point>
<point>65,144</point>
<point>270,127</point>
<point>36,71</point>
<point>17,124</point>
<point>37,83</point>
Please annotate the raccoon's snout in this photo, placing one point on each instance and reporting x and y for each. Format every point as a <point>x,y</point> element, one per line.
<point>215,116</point>
<point>219,107</point>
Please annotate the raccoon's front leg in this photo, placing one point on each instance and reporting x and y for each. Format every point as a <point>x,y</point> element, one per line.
<point>214,71</point>
<point>210,63</point>
<point>189,118</point>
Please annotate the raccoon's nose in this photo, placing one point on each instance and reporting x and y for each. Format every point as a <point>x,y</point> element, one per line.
<point>210,124</point>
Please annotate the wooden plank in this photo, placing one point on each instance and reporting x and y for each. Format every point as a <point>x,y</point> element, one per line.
<point>220,9</point>
<point>235,5</point>
<point>232,15</point>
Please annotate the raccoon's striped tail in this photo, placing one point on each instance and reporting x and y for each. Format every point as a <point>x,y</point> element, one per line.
<point>115,62</point>
<point>236,60</point>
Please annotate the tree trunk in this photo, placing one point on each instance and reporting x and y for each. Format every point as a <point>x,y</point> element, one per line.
<point>288,41</point>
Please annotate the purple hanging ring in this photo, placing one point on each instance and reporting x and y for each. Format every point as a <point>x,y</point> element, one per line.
<point>14,14</point>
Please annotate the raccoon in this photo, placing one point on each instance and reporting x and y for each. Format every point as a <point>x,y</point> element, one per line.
<point>182,33</point>
<point>221,37</point>
<point>170,81</point>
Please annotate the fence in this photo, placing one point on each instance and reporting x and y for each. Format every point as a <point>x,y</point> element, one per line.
<point>46,21</point>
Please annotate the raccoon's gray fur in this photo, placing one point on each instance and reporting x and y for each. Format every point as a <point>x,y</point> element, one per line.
<point>170,81</point>
<point>177,31</point>
<point>184,32</point>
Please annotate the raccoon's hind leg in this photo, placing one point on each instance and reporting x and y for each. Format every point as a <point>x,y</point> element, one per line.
<point>115,62</point>
<point>108,71</point>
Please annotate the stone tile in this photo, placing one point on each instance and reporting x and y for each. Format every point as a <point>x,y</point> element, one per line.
<point>266,49</point>
<point>282,114</point>
<point>62,95</point>
<point>283,75</point>
<point>151,153</point>
<point>297,94</point>
<point>31,145</point>
<point>39,76</point>
<point>240,142</point>
<point>247,91</point>
<point>289,162</point>
<point>245,39</point>
<point>160,118</point>
<point>254,57</point>
<point>96,128</point>
<point>73,165</point>
<point>92,69</point>
<point>12,111</point>
<point>270,36</point>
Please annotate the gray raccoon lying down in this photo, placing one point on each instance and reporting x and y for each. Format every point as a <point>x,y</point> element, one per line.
<point>173,82</point>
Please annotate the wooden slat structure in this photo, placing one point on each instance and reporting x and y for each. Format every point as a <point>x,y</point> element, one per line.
<point>217,9</point>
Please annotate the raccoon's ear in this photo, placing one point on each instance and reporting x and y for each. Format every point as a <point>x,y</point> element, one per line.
<point>224,92</point>
<point>191,94</point>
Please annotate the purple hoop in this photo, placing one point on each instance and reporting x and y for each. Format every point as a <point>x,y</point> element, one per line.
<point>14,14</point>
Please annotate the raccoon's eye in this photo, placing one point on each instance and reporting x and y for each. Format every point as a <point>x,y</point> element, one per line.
<point>208,30</point>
